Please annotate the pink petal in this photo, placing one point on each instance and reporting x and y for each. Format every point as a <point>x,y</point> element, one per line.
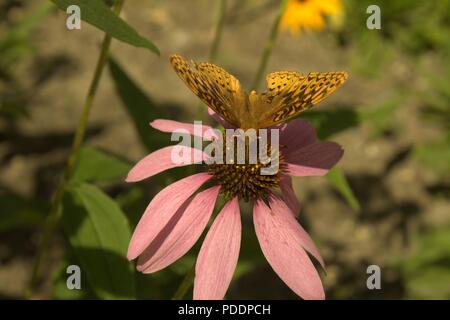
<point>295,135</point>
<point>164,159</point>
<point>180,233</point>
<point>281,209</point>
<point>288,195</point>
<point>218,256</point>
<point>172,126</point>
<point>315,159</point>
<point>219,119</point>
<point>285,254</point>
<point>161,209</point>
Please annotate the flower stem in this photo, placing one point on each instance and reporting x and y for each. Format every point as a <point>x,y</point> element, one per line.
<point>269,46</point>
<point>212,55</point>
<point>188,280</point>
<point>56,208</point>
<point>218,33</point>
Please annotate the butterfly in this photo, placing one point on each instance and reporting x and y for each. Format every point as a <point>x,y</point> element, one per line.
<point>288,93</point>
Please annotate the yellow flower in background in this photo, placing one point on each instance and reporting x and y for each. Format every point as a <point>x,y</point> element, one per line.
<point>309,14</point>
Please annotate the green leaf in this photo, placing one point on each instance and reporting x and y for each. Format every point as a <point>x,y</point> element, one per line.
<point>60,291</point>
<point>139,106</point>
<point>339,181</point>
<point>18,212</point>
<point>99,233</point>
<point>97,165</point>
<point>133,202</point>
<point>97,13</point>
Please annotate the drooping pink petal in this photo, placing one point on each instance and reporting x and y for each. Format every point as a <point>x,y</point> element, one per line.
<point>161,209</point>
<point>180,233</point>
<point>285,217</point>
<point>218,255</point>
<point>296,134</point>
<point>314,159</point>
<point>288,195</point>
<point>219,119</point>
<point>163,159</point>
<point>285,254</point>
<point>199,130</point>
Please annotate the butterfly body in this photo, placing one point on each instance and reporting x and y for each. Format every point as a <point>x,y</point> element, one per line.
<point>288,93</point>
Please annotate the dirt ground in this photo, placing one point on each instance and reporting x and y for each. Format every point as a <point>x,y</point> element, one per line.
<point>395,192</point>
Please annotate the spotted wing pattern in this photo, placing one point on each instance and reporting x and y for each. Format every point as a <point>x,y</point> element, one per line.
<point>214,86</point>
<point>293,94</point>
<point>280,80</point>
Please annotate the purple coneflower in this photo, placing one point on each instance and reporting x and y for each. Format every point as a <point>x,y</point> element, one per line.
<point>176,217</point>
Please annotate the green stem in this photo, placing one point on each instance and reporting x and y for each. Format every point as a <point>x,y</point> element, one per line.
<point>215,45</point>
<point>55,210</point>
<point>218,33</point>
<point>188,280</point>
<point>269,46</point>
<point>185,285</point>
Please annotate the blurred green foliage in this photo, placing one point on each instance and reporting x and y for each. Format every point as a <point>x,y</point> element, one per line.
<point>426,271</point>
<point>139,106</point>
<point>15,47</point>
<point>415,26</point>
<point>436,112</point>
<point>435,155</point>
<point>16,44</point>
<point>18,212</point>
<point>337,178</point>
